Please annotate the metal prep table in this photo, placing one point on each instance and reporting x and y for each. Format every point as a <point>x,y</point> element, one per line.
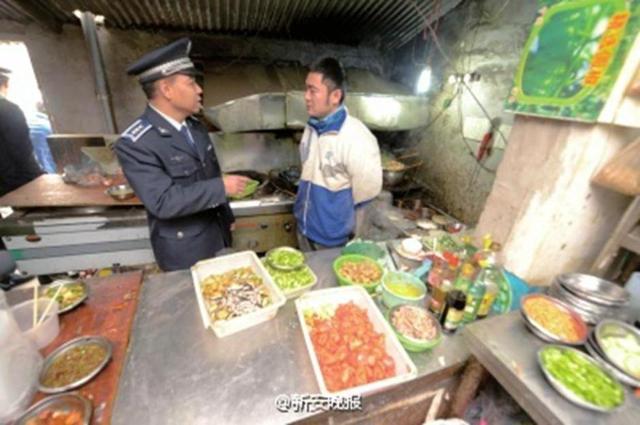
<point>56,227</point>
<point>178,372</point>
<point>509,352</point>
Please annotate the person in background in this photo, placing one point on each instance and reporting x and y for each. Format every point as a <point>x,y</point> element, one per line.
<point>168,159</point>
<point>39,129</point>
<point>341,166</point>
<point>18,164</point>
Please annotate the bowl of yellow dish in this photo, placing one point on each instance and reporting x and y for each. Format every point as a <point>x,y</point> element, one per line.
<point>402,288</point>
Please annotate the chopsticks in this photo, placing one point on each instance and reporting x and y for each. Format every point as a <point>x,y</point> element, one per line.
<point>51,301</point>
<point>35,305</point>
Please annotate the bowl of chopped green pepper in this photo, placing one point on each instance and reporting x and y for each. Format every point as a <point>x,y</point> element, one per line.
<point>580,379</point>
<point>293,282</point>
<point>285,258</point>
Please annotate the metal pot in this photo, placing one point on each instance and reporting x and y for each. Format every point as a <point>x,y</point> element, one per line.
<point>393,178</point>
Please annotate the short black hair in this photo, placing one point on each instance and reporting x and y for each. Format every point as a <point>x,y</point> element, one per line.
<point>333,74</point>
<point>149,88</point>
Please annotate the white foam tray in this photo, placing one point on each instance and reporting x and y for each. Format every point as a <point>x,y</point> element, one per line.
<point>219,265</point>
<point>405,369</point>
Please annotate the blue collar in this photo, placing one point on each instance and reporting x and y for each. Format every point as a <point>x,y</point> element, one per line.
<point>332,122</point>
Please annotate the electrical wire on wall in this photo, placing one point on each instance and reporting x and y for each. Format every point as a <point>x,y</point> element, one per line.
<point>458,93</point>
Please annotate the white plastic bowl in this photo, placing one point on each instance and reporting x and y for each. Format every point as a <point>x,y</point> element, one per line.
<point>47,330</point>
<point>411,246</point>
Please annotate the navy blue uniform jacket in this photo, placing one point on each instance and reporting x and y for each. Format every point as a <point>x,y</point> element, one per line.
<point>181,188</point>
<point>18,165</point>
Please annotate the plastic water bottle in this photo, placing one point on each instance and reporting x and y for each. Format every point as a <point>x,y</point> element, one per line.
<point>20,364</point>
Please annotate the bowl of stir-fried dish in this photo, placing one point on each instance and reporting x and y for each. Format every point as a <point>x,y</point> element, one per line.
<point>552,320</point>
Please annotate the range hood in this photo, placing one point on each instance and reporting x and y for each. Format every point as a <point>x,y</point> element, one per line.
<point>242,98</point>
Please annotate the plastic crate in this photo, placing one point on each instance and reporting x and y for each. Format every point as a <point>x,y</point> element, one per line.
<point>405,369</point>
<point>219,265</point>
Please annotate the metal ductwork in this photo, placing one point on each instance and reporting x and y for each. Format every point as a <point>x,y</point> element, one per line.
<point>256,97</point>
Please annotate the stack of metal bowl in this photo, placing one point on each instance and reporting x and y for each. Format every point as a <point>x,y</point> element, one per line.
<point>593,298</point>
<point>622,365</point>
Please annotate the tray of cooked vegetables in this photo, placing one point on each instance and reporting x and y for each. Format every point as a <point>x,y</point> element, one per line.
<point>69,294</point>
<point>620,344</point>
<point>580,379</point>
<point>235,292</point>
<point>74,363</point>
<point>553,321</point>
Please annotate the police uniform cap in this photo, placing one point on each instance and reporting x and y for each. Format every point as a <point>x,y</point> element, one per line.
<point>164,62</point>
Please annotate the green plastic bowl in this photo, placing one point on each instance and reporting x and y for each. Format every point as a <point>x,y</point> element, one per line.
<point>368,249</point>
<point>416,345</point>
<point>391,299</point>
<point>344,281</point>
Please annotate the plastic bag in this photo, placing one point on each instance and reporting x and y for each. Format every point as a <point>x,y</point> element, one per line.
<point>20,364</point>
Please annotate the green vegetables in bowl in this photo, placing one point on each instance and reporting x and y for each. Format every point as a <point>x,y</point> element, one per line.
<point>249,189</point>
<point>293,280</point>
<point>285,258</point>
<point>576,373</point>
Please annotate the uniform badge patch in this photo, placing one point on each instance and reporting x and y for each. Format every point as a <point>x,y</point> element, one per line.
<point>136,130</point>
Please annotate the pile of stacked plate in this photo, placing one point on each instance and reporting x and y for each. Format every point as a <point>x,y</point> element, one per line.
<point>616,346</point>
<point>593,298</point>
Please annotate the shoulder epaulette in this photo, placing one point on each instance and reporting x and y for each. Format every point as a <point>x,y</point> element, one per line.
<point>136,130</point>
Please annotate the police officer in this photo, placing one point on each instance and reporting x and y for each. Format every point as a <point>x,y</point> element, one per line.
<point>18,164</point>
<point>169,160</point>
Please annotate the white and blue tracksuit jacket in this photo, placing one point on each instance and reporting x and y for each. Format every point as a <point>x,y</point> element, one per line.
<point>341,171</point>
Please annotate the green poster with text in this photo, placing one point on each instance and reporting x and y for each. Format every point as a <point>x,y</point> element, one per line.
<point>572,57</point>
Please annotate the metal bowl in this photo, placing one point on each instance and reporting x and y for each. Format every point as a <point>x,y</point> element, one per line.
<point>76,303</point>
<point>281,267</point>
<point>567,393</point>
<point>608,328</point>
<point>596,353</point>
<point>83,340</point>
<point>545,334</point>
<point>120,192</point>
<point>60,402</point>
<point>594,289</point>
<point>591,312</point>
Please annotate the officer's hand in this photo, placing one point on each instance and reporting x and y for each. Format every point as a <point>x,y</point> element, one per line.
<point>233,184</point>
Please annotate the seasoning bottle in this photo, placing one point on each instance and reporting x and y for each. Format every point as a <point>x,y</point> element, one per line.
<point>465,277</point>
<point>453,311</point>
<point>438,297</point>
<point>475,294</point>
<point>491,275</point>
<point>439,292</point>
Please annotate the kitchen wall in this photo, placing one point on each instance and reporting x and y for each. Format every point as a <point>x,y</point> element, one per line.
<point>482,36</point>
<point>62,67</point>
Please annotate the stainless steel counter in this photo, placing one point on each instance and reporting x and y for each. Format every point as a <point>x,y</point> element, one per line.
<point>177,372</point>
<point>508,350</point>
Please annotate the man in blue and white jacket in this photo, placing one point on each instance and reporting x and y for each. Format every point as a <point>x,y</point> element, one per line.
<point>341,168</point>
